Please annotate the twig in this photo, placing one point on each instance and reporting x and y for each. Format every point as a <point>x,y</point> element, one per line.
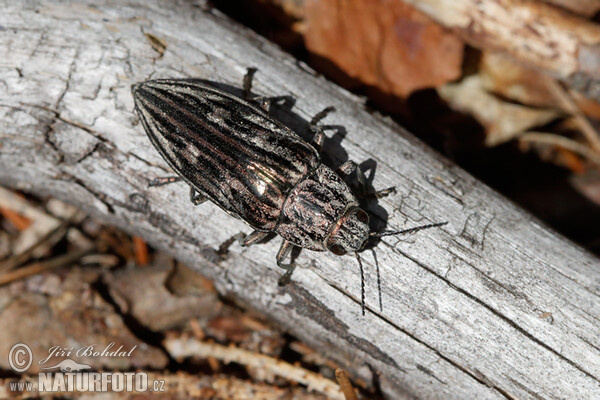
<point>345,385</point>
<point>187,347</point>
<point>18,221</point>
<point>140,251</point>
<point>42,221</point>
<point>37,267</point>
<point>556,140</point>
<point>9,199</point>
<point>105,260</point>
<point>22,257</point>
<point>568,104</point>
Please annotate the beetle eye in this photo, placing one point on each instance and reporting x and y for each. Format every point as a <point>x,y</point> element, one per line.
<point>337,250</point>
<point>362,216</point>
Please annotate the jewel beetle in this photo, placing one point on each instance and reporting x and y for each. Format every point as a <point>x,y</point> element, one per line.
<point>231,151</point>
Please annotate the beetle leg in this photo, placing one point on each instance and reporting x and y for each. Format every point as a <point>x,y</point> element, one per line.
<point>247,86</point>
<point>196,197</point>
<point>284,251</point>
<point>263,102</point>
<point>347,168</point>
<point>250,239</point>
<point>243,239</point>
<point>319,137</point>
<point>385,192</point>
<point>320,115</point>
<point>350,166</point>
<point>163,181</point>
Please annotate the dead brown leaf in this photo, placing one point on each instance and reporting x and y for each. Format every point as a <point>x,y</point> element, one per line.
<point>503,121</point>
<point>141,293</point>
<point>502,75</point>
<point>387,44</point>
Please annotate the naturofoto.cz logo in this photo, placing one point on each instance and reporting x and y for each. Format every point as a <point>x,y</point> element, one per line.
<point>71,376</point>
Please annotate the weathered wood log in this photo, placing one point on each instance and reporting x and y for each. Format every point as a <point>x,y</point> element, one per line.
<point>537,34</point>
<point>493,305</point>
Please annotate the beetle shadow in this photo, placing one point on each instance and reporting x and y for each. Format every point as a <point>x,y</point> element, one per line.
<point>333,153</point>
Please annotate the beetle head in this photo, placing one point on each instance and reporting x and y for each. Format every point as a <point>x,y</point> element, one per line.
<point>350,233</point>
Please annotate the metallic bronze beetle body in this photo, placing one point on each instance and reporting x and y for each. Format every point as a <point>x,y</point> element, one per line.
<point>232,152</point>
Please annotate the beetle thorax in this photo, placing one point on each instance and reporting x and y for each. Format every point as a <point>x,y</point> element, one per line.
<point>351,232</point>
<point>314,209</point>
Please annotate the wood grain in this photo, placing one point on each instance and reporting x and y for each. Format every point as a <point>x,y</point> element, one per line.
<point>492,306</point>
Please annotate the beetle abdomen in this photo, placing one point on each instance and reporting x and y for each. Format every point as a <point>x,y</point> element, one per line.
<point>231,151</point>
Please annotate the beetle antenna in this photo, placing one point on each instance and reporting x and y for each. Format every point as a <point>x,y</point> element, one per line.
<point>362,284</point>
<point>378,279</point>
<point>410,230</point>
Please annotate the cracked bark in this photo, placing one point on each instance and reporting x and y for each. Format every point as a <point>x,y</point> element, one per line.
<point>493,305</point>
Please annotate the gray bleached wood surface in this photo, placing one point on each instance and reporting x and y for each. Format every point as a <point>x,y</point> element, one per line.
<point>493,305</point>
